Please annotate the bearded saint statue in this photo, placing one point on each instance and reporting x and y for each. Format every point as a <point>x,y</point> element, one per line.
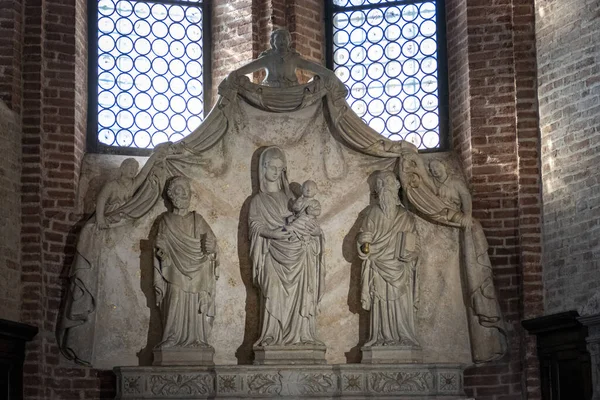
<point>388,244</point>
<point>185,272</point>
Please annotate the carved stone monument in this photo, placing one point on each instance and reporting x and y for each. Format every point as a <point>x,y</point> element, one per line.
<point>287,266</point>
<point>185,275</point>
<point>432,312</point>
<point>116,205</point>
<point>388,244</point>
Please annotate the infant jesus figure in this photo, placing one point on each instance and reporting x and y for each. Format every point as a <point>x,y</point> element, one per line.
<point>306,210</point>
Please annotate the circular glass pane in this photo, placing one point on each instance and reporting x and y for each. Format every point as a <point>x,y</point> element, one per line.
<point>161,122</point>
<point>124,120</point>
<point>194,87</point>
<point>160,137</point>
<point>106,136</point>
<point>431,140</point>
<point>143,101</point>
<point>124,8</point>
<point>106,7</point>
<point>193,122</point>
<point>142,28</point>
<point>193,51</point>
<point>178,123</point>
<point>394,124</point>
<point>177,49</point>
<point>106,99</point>
<point>142,64</point>
<point>341,38</point>
<point>124,138</point>
<point>159,12</point>
<point>142,139</point>
<point>143,120</point>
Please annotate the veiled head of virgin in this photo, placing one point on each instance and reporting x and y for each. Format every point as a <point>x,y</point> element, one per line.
<point>273,164</point>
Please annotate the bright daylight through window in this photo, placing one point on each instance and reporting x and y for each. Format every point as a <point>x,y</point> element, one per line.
<point>150,72</point>
<point>387,54</point>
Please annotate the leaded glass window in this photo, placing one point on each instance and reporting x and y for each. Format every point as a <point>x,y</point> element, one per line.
<point>148,72</point>
<point>390,55</point>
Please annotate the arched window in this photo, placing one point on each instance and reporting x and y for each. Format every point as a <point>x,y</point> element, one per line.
<point>149,71</point>
<point>391,56</point>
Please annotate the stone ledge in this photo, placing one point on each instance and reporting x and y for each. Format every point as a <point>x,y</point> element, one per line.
<point>398,381</point>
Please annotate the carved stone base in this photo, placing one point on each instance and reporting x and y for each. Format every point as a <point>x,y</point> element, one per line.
<point>391,354</point>
<point>346,381</point>
<point>289,355</point>
<point>184,356</point>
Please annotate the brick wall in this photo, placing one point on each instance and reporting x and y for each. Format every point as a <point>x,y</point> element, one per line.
<point>232,37</point>
<point>242,28</point>
<point>10,214</point>
<point>569,105</point>
<point>493,121</point>
<point>54,123</point>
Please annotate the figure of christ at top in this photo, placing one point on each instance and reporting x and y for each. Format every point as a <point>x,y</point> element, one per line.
<point>287,259</point>
<point>388,245</point>
<point>280,63</point>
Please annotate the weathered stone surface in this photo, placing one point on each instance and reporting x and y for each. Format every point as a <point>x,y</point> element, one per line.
<point>10,214</point>
<point>391,354</point>
<point>184,356</point>
<point>398,381</point>
<point>289,355</point>
<point>127,322</point>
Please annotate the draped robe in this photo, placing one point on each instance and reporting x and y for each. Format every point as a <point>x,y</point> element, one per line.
<point>289,273</point>
<point>388,287</point>
<point>184,280</point>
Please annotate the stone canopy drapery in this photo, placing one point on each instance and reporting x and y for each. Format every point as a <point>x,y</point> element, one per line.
<point>483,311</point>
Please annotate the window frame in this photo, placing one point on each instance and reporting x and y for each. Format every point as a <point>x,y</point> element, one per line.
<point>93,144</point>
<point>443,95</point>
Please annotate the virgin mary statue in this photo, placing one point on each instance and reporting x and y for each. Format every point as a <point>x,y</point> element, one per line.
<point>288,271</point>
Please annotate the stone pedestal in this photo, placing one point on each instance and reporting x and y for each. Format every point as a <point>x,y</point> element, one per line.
<point>342,381</point>
<point>592,322</point>
<point>184,356</point>
<point>391,355</point>
<point>289,355</point>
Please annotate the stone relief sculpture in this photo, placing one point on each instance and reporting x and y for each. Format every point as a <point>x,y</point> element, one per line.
<point>447,200</point>
<point>280,63</point>
<point>185,274</point>
<point>288,270</point>
<point>286,243</point>
<point>388,244</point>
<point>116,204</point>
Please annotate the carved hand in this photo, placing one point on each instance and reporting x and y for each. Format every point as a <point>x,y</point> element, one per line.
<point>466,222</point>
<point>314,229</point>
<point>277,234</point>
<point>101,223</point>
<point>365,237</point>
<point>210,244</point>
